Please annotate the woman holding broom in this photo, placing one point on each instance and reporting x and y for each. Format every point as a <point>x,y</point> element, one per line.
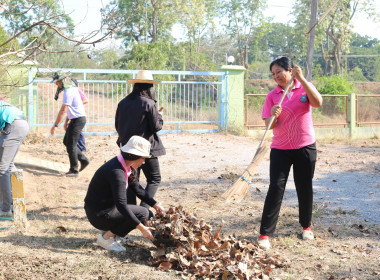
<point>293,144</point>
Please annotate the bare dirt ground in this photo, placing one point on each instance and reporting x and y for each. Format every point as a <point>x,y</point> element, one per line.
<point>59,243</point>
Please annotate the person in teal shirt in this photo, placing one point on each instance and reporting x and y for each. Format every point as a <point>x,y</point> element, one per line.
<point>13,130</point>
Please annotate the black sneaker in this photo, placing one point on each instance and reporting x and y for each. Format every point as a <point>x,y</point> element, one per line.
<point>83,165</point>
<point>71,174</point>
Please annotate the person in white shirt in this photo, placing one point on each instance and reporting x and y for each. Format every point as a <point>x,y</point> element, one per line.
<point>72,105</point>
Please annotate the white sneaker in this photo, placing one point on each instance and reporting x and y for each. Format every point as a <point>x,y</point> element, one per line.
<point>264,244</point>
<point>6,213</point>
<point>307,235</point>
<point>120,240</point>
<point>109,244</point>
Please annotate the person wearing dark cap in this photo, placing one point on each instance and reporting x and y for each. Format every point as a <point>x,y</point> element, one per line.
<point>72,105</point>
<point>137,114</point>
<point>107,202</point>
<point>81,142</point>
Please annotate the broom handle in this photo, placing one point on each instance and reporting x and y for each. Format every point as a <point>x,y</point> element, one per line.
<point>286,90</point>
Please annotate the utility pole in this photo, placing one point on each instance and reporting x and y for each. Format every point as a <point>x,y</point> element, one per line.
<point>146,20</point>
<point>311,33</point>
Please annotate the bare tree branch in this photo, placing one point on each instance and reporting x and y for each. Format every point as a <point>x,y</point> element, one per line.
<point>49,24</point>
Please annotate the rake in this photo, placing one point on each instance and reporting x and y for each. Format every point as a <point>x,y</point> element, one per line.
<point>241,186</point>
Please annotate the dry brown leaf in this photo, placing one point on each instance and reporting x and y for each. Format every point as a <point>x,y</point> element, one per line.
<point>165,266</point>
<point>216,235</point>
<point>61,229</point>
<point>205,237</point>
<point>212,245</point>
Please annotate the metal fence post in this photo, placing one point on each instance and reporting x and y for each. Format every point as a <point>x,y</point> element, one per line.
<point>30,101</point>
<point>222,101</point>
<point>352,114</point>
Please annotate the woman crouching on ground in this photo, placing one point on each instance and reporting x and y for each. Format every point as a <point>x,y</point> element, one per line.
<point>106,203</point>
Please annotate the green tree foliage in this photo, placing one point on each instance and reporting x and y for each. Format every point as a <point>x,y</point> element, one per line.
<point>165,56</point>
<point>4,49</point>
<point>108,59</point>
<point>334,85</point>
<point>148,56</point>
<point>244,19</point>
<point>144,21</point>
<point>364,60</point>
<point>23,13</point>
<point>334,32</point>
<point>64,56</point>
<point>196,16</point>
<point>4,37</point>
<point>278,40</point>
<point>217,46</point>
<point>36,28</point>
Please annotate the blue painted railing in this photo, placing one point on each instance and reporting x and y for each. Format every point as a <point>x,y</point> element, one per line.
<point>193,101</point>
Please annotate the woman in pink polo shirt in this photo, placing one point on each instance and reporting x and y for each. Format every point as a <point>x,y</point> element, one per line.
<point>293,143</point>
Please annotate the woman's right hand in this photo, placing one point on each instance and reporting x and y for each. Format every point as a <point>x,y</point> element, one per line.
<point>276,110</point>
<point>159,209</point>
<point>145,232</point>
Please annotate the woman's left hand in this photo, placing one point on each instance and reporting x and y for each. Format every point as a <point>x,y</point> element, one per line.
<point>297,72</point>
<point>159,209</point>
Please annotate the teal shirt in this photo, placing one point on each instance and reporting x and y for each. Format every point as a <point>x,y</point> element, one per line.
<point>8,113</point>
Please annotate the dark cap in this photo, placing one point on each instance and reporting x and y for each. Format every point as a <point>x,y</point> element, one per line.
<point>58,76</point>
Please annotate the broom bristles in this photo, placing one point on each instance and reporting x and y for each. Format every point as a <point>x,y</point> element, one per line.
<point>241,186</point>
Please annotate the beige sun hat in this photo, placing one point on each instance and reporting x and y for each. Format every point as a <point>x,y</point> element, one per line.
<point>144,77</point>
<point>138,146</point>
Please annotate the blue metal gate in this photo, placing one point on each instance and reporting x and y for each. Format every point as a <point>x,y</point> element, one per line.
<point>192,101</point>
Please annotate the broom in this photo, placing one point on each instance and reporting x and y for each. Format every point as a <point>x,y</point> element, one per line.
<point>241,186</point>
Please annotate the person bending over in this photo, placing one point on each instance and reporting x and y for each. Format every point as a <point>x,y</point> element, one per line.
<point>107,203</point>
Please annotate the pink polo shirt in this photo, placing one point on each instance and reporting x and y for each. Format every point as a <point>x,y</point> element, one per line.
<point>294,128</point>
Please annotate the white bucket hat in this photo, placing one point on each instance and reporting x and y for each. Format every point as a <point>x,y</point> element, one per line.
<point>137,146</point>
<point>144,77</point>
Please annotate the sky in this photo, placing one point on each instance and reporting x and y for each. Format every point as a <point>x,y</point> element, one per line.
<point>86,16</point>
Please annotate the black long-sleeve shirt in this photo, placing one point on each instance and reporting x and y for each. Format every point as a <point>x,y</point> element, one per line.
<point>107,190</point>
<point>138,115</point>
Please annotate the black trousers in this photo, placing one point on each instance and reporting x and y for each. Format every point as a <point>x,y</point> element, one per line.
<point>303,161</point>
<point>151,170</point>
<point>116,222</point>
<point>70,140</point>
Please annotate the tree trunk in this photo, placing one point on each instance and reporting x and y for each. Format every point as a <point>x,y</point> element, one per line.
<point>154,25</point>
<point>331,66</point>
<point>246,65</point>
<point>324,60</point>
<point>310,46</point>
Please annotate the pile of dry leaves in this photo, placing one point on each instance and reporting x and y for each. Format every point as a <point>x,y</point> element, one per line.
<point>187,244</point>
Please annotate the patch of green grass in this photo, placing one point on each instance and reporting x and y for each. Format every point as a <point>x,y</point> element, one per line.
<point>287,241</point>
